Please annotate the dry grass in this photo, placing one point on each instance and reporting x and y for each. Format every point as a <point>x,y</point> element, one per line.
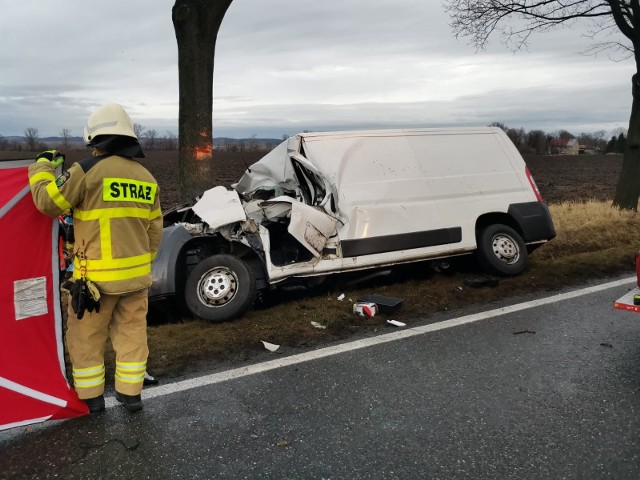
<point>593,240</point>
<point>590,227</point>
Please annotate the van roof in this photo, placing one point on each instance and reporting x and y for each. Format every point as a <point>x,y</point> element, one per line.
<point>311,136</point>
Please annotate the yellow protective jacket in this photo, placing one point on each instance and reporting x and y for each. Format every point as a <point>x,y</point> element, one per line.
<point>116,215</point>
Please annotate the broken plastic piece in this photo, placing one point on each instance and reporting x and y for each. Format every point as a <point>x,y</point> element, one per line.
<point>270,346</point>
<point>365,309</point>
<point>385,304</point>
<point>341,297</point>
<point>397,323</point>
<point>319,325</point>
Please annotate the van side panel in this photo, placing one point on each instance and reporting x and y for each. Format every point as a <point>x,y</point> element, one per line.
<point>466,166</point>
<point>470,174</point>
<point>420,182</point>
<point>382,190</point>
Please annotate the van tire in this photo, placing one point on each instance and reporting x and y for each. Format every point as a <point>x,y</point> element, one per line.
<point>220,288</point>
<point>501,251</point>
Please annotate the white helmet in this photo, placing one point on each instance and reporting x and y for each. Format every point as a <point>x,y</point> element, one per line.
<point>110,119</point>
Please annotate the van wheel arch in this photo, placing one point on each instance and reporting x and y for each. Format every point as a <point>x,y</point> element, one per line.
<point>202,247</point>
<point>494,218</point>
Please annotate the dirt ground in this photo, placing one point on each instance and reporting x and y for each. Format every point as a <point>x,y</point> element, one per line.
<point>577,178</point>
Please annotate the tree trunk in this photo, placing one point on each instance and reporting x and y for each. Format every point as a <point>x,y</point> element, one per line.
<point>628,187</point>
<point>196,23</point>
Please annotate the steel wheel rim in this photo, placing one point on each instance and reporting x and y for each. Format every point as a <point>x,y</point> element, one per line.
<point>505,248</point>
<point>217,287</point>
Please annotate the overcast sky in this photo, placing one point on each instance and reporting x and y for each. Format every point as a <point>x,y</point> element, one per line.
<point>284,66</point>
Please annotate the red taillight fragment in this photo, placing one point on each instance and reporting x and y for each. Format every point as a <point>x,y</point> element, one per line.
<point>532,182</point>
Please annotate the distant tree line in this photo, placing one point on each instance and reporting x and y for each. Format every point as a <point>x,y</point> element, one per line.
<point>531,142</point>
<point>539,142</point>
<point>149,138</point>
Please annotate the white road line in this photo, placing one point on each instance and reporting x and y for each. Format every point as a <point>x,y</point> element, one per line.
<point>363,343</point>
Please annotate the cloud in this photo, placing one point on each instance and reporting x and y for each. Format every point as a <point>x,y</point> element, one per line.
<point>288,65</point>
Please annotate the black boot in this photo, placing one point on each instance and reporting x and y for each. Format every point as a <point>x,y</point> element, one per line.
<point>150,379</point>
<point>95,404</point>
<point>132,403</point>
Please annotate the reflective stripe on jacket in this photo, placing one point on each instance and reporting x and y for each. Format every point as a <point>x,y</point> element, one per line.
<point>116,214</point>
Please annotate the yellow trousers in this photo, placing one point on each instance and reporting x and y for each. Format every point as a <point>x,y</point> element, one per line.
<point>124,319</point>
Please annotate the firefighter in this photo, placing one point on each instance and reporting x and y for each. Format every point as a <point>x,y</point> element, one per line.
<point>117,229</point>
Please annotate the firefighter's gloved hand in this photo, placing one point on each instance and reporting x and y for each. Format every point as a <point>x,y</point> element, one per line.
<point>75,289</point>
<point>93,300</point>
<point>93,291</point>
<point>56,158</point>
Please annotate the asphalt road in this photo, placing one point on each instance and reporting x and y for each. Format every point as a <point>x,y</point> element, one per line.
<point>548,391</point>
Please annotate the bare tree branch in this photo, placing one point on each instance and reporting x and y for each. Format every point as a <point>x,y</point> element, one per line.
<point>515,21</point>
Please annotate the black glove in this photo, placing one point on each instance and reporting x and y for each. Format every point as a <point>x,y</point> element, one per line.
<point>83,296</point>
<point>56,158</point>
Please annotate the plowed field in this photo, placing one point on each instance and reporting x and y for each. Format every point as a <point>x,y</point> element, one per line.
<point>575,177</point>
<point>559,178</point>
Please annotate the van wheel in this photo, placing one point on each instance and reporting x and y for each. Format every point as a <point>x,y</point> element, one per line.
<point>501,251</point>
<point>219,288</point>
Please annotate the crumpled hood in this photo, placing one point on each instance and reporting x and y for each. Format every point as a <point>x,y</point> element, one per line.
<point>272,170</point>
<point>219,206</point>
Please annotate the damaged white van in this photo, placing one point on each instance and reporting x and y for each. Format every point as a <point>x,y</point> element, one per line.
<point>323,203</point>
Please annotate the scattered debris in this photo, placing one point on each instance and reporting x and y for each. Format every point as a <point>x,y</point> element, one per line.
<point>397,323</point>
<point>319,325</point>
<point>525,331</point>
<point>385,304</point>
<point>603,344</point>
<point>365,309</point>
<point>441,267</point>
<point>482,282</point>
<point>270,346</point>
<point>456,289</point>
<point>282,443</point>
<point>341,297</point>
